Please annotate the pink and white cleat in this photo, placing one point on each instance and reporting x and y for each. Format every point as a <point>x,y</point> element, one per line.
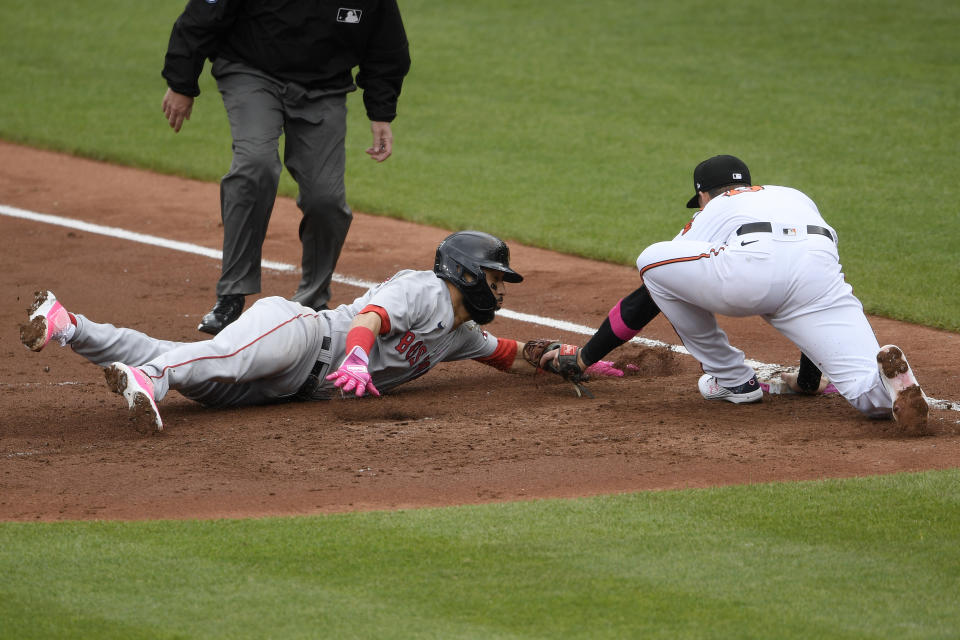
<point>910,406</point>
<point>48,321</point>
<point>137,388</point>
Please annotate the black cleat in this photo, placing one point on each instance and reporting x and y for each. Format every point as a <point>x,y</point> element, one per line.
<point>227,309</point>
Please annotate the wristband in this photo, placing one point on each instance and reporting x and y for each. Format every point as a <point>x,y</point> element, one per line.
<point>361,337</point>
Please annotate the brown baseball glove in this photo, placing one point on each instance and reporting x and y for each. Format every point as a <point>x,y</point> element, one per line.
<point>565,363</point>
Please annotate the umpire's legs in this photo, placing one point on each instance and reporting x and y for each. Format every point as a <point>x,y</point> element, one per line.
<point>248,191</point>
<point>315,155</point>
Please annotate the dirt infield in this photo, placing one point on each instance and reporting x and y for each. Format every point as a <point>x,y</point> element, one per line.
<point>463,434</point>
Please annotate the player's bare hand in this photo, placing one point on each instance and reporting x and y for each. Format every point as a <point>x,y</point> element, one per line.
<point>549,360</point>
<point>177,108</point>
<point>790,379</point>
<point>382,146</point>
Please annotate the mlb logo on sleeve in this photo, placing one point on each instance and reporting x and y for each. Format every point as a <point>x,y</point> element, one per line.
<point>351,16</point>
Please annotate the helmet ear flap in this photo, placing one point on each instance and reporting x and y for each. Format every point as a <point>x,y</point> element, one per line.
<point>453,266</point>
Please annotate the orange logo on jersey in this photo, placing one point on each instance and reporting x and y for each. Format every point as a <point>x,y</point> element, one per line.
<point>734,192</point>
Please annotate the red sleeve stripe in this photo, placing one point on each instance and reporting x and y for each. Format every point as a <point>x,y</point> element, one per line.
<point>384,317</point>
<point>503,356</point>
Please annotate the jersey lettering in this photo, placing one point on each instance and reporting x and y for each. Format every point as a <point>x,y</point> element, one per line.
<point>414,351</point>
<point>739,190</point>
<point>405,341</point>
<point>687,226</point>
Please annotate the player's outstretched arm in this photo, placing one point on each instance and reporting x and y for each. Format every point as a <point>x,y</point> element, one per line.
<point>578,364</point>
<point>353,374</point>
<point>625,320</point>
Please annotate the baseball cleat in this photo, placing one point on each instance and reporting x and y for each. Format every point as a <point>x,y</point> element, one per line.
<point>48,321</point>
<point>137,388</point>
<point>910,406</point>
<point>746,393</point>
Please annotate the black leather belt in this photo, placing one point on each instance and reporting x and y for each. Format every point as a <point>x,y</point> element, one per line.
<point>306,390</point>
<point>761,227</point>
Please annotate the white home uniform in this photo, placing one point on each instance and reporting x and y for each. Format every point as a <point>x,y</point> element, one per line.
<point>788,272</point>
<point>281,349</point>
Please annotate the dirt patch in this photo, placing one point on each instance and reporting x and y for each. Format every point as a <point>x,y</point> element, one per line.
<point>465,433</point>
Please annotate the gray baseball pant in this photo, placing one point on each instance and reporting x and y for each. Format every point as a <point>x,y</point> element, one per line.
<point>265,356</point>
<point>314,123</point>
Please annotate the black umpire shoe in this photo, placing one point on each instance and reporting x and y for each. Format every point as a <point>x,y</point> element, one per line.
<point>226,310</point>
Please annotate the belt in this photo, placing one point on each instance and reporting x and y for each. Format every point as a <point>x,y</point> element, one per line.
<point>309,386</point>
<point>761,227</point>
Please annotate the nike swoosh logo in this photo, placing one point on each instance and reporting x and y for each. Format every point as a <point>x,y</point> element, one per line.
<point>440,324</point>
<point>746,242</point>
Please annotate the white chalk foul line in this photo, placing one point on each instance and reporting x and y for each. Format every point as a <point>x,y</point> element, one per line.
<point>765,371</point>
<point>123,234</point>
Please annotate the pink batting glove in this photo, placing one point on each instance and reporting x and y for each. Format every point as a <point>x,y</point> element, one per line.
<point>604,368</point>
<point>353,374</point>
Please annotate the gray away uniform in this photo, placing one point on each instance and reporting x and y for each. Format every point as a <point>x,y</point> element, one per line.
<point>279,349</point>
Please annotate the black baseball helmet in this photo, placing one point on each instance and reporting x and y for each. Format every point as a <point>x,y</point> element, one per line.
<point>461,259</point>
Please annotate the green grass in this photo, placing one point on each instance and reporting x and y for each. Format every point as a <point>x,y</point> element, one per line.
<point>576,126</point>
<point>863,558</point>
<point>572,126</point>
